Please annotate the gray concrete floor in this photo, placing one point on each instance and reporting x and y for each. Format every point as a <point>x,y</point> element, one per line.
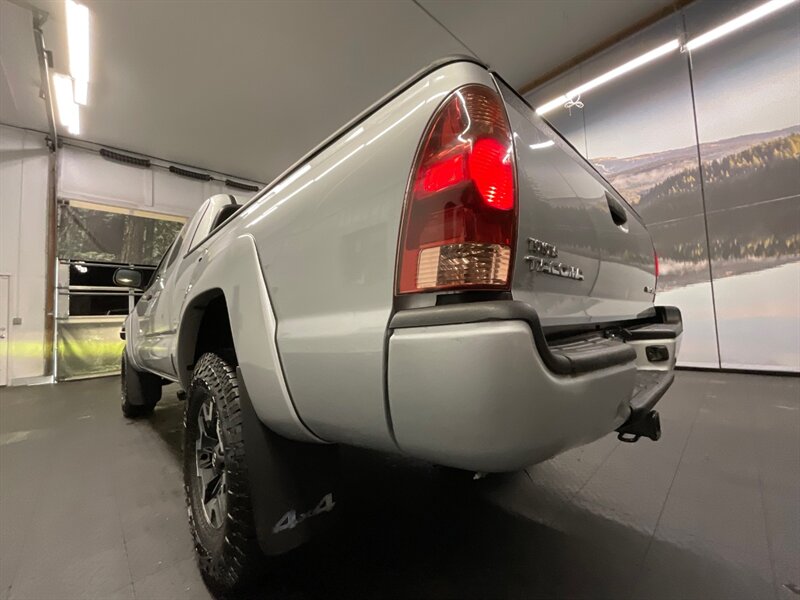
<point>91,506</point>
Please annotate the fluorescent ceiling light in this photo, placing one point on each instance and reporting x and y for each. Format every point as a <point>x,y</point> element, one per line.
<point>701,40</point>
<point>68,111</point>
<point>609,75</point>
<point>625,68</point>
<point>737,23</point>
<point>542,145</point>
<point>554,103</point>
<point>78,42</point>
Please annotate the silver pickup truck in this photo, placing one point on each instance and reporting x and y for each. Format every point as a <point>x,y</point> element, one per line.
<point>445,278</point>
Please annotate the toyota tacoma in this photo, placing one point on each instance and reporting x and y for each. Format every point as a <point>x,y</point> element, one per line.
<point>445,278</point>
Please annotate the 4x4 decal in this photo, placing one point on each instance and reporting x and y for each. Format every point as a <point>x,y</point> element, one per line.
<point>292,519</point>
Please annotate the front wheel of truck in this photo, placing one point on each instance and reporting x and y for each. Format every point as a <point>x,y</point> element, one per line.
<point>216,479</point>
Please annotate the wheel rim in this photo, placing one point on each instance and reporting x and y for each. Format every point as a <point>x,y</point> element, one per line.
<point>210,463</point>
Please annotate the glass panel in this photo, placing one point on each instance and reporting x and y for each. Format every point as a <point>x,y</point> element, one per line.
<point>81,305</point>
<point>113,236</point>
<point>88,347</point>
<point>89,318</point>
<point>747,92</point>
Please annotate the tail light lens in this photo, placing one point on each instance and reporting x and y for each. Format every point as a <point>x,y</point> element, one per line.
<point>460,219</point>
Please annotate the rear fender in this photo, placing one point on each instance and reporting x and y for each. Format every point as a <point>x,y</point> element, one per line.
<point>234,269</point>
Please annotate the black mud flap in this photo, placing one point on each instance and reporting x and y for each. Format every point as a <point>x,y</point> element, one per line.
<point>293,484</point>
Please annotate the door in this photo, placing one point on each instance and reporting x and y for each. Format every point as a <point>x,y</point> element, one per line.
<point>160,307</point>
<point>219,208</point>
<point>153,346</point>
<point>4,288</point>
<point>179,276</point>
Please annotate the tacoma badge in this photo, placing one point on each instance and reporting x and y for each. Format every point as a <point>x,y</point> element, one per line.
<point>552,267</point>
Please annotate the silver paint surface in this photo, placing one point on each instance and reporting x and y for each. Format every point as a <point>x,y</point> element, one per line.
<point>478,397</point>
<point>308,272</point>
<point>562,202</point>
<point>328,243</point>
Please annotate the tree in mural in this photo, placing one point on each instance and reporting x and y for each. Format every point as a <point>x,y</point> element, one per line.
<point>765,174</point>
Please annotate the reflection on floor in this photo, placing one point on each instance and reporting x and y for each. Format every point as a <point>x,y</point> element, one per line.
<point>91,506</point>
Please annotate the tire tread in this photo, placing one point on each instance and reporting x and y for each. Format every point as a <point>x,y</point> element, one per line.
<point>231,570</point>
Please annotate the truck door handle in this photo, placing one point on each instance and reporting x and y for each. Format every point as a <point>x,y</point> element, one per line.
<point>618,213</point>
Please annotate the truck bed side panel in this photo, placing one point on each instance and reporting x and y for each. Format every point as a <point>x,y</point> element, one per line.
<point>328,244</point>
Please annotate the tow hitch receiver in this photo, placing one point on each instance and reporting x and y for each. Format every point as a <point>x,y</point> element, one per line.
<point>648,425</point>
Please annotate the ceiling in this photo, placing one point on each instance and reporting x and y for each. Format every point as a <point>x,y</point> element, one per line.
<point>247,87</point>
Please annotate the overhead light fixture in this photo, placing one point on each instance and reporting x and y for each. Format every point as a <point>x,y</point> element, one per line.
<point>609,75</point>
<point>737,23</point>
<point>78,43</point>
<point>626,68</point>
<point>554,103</point>
<point>68,111</point>
<point>734,24</point>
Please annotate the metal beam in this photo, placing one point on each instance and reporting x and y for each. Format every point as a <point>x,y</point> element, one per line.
<point>49,333</point>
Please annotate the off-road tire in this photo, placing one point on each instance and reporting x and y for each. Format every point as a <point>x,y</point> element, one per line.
<point>228,555</point>
<point>141,391</point>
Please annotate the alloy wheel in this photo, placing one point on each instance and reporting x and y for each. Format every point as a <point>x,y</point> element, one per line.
<point>210,462</point>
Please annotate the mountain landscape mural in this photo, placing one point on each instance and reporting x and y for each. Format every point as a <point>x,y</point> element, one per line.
<point>752,200</point>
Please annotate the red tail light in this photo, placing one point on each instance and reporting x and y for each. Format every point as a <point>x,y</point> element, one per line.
<point>460,219</point>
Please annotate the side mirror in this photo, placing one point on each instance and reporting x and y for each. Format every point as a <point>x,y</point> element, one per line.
<point>127,278</point>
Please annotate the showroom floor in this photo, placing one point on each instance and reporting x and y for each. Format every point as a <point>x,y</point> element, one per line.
<point>91,506</point>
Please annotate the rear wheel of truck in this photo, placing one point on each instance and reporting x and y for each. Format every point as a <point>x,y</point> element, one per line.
<point>216,479</point>
<point>141,391</point>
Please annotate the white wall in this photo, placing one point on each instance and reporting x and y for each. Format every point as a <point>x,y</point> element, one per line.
<point>23,204</point>
<point>85,175</point>
<point>82,175</point>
